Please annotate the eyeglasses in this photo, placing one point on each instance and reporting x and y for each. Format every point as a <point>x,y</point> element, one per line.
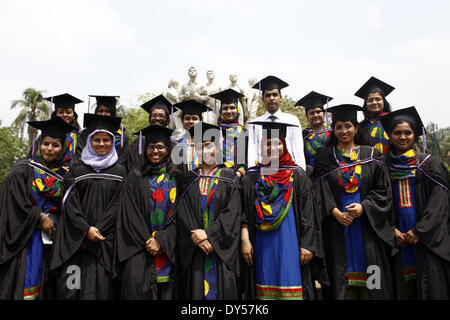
<point>156,116</point>
<point>158,147</point>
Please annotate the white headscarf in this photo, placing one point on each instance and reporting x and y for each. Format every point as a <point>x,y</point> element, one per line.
<point>91,158</point>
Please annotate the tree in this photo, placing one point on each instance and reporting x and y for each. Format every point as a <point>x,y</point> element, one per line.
<point>12,149</point>
<point>135,118</point>
<point>34,107</point>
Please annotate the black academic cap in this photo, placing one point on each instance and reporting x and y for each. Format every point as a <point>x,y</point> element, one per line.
<point>271,126</point>
<point>374,85</point>
<point>209,131</point>
<point>409,115</point>
<point>95,121</point>
<point>158,102</point>
<point>227,96</point>
<point>192,107</point>
<point>313,100</point>
<point>55,128</point>
<point>108,101</point>
<point>155,133</point>
<point>64,101</point>
<point>345,112</point>
<point>270,83</point>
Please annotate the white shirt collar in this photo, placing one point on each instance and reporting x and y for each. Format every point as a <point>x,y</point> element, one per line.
<point>276,114</point>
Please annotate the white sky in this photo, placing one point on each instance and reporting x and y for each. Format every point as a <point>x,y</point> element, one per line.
<point>131,47</point>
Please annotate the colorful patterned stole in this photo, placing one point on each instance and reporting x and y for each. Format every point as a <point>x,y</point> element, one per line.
<point>208,188</point>
<point>163,194</point>
<point>315,140</point>
<point>377,136</point>
<point>403,171</point>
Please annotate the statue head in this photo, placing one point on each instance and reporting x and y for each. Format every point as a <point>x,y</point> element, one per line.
<point>173,83</point>
<point>252,81</point>
<point>233,77</point>
<point>210,75</point>
<point>192,72</point>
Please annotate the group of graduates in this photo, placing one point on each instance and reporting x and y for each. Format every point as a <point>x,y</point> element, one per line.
<point>226,213</point>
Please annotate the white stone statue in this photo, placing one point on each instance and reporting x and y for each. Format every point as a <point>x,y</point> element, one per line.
<point>208,89</point>
<point>172,94</point>
<point>242,103</point>
<point>252,101</point>
<point>191,89</point>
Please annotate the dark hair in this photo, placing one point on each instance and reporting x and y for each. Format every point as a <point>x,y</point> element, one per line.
<point>360,138</point>
<point>74,122</point>
<point>145,165</point>
<point>387,106</point>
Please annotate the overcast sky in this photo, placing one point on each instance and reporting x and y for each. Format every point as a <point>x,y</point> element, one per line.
<point>127,48</point>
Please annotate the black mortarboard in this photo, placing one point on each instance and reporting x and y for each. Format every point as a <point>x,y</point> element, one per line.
<point>227,96</point>
<point>159,102</point>
<point>192,107</point>
<point>64,101</point>
<point>281,128</point>
<point>270,83</point>
<point>55,127</point>
<point>208,131</point>
<point>95,121</point>
<point>409,115</point>
<point>345,112</point>
<point>108,101</point>
<point>155,133</point>
<point>374,85</point>
<point>313,100</point>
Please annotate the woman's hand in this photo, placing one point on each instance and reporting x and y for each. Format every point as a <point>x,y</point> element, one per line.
<point>343,218</point>
<point>247,251</point>
<point>153,246</point>
<point>355,210</point>
<point>411,238</point>
<point>94,235</point>
<point>305,256</point>
<point>206,246</point>
<point>198,236</point>
<point>400,238</point>
<point>48,227</point>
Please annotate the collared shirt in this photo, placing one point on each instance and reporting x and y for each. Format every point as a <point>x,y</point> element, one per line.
<point>294,140</point>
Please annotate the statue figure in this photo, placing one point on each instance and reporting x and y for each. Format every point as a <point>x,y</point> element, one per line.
<point>242,103</point>
<point>172,94</point>
<point>252,101</point>
<point>191,89</point>
<point>208,89</point>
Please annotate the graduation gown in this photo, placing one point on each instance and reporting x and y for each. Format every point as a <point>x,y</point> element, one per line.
<point>223,234</point>
<point>377,222</point>
<point>433,231</point>
<point>122,152</point>
<point>135,266</point>
<point>19,217</point>
<point>88,204</point>
<point>307,225</point>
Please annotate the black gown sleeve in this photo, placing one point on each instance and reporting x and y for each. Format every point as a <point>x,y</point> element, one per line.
<point>18,215</point>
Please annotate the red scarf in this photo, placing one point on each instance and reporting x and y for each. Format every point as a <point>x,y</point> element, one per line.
<point>282,176</point>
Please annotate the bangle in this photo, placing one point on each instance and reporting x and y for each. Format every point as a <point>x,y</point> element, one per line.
<point>42,217</point>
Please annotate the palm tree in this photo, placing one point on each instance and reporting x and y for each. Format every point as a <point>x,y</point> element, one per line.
<point>34,107</point>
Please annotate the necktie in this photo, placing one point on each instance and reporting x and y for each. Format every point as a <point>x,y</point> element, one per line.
<point>272,118</point>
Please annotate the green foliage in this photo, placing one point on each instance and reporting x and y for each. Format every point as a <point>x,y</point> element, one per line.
<point>12,149</point>
<point>287,105</point>
<point>438,144</point>
<point>135,118</point>
<point>33,107</point>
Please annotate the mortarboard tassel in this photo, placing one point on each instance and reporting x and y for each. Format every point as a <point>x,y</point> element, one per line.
<point>326,114</point>
<point>171,113</point>
<point>140,142</point>
<point>89,104</point>
<point>121,136</point>
<point>424,139</point>
<point>34,143</point>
